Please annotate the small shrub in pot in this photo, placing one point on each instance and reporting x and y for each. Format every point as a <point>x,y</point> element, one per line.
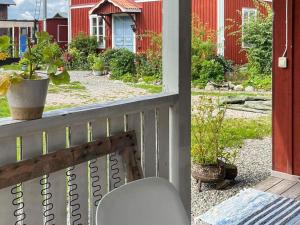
<point>26,91</point>
<point>208,155</point>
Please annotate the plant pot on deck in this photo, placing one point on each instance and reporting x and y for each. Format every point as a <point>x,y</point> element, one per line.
<point>27,99</point>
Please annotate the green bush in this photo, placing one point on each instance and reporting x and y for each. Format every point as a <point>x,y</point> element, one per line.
<point>81,47</point>
<point>147,68</point>
<point>108,55</point>
<point>122,63</point>
<point>227,64</point>
<point>260,82</point>
<point>257,33</point>
<point>86,45</point>
<point>128,78</point>
<point>78,60</point>
<point>211,70</point>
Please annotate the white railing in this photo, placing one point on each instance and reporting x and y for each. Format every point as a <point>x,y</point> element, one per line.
<point>70,196</point>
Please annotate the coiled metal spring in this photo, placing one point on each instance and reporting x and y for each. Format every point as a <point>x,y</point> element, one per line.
<point>95,178</point>
<point>73,196</point>
<point>116,179</point>
<point>19,213</point>
<point>47,196</point>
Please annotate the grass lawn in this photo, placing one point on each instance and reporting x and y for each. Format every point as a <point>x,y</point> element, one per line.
<point>72,86</point>
<point>14,66</point>
<point>236,131</point>
<point>4,108</point>
<point>149,87</point>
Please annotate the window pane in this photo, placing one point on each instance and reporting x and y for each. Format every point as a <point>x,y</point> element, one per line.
<point>94,31</point>
<point>94,22</point>
<point>100,21</point>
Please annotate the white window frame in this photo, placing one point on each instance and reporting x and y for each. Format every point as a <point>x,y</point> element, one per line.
<point>244,11</point>
<point>103,45</point>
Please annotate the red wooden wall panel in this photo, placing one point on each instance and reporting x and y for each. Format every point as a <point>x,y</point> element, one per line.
<point>80,21</point>
<point>286,91</point>
<point>296,87</point>
<point>233,49</point>
<point>149,20</point>
<point>83,2</point>
<point>206,12</point>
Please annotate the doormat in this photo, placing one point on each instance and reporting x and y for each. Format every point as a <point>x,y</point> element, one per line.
<point>253,207</point>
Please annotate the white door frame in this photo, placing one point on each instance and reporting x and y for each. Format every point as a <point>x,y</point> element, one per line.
<point>113,32</point>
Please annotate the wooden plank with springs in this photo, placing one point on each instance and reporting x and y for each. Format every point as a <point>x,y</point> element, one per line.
<point>56,211</point>
<point>77,179</point>
<point>32,146</point>
<point>25,170</point>
<point>116,169</point>
<point>98,169</point>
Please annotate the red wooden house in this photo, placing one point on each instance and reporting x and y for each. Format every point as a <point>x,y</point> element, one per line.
<point>123,23</point>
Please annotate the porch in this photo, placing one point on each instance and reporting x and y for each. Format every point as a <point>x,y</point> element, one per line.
<point>162,125</point>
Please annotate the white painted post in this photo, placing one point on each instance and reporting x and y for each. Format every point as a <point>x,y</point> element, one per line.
<point>177,78</point>
<point>221,27</point>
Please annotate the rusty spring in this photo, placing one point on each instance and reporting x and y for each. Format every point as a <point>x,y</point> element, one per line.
<point>73,196</point>
<point>19,213</point>
<point>116,179</point>
<point>95,178</point>
<point>47,196</point>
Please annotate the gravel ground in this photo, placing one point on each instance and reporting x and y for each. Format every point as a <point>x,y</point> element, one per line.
<point>98,89</point>
<point>254,165</point>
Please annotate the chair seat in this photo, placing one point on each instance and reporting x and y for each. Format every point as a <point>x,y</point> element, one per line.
<point>150,201</point>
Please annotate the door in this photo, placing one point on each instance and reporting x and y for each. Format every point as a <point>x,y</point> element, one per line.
<point>23,40</point>
<point>123,35</point>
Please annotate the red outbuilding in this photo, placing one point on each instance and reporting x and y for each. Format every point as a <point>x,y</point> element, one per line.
<point>124,23</point>
<point>57,27</point>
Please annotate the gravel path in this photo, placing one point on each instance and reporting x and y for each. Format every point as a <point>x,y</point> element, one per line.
<point>254,165</point>
<point>98,89</point>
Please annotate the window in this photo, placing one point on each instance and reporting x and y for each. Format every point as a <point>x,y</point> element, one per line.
<point>97,29</point>
<point>247,15</point>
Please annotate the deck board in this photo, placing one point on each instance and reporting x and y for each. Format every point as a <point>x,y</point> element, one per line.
<point>293,192</point>
<point>268,183</point>
<point>282,187</point>
<point>286,188</point>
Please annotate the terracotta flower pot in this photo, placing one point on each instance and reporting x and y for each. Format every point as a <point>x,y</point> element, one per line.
<point>27,99</point>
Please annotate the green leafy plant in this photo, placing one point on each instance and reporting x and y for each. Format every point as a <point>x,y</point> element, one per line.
<point>122,63</point>
<point>81,47</point>
<point>257,32</point>
<point>4,47</point>
<point>208,121</point>
<point>46,53</point>
<point>207,134</point>
<point>211,70</point>
<point>98,64</point>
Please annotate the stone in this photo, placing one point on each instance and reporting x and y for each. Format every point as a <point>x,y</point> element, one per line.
<point>209,87</point>
<point>238,88</point>
<point>249,89</point>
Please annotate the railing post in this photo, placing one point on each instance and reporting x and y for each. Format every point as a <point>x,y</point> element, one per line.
<point>177,78</point>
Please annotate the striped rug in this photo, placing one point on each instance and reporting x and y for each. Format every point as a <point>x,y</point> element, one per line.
<point>253,207</point>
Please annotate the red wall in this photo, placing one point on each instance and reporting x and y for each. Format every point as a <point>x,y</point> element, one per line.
<point>286,91</point>
<point>149,20</point>
<point>52,28</point>
<point>206,12</point>
<point>80,21</point>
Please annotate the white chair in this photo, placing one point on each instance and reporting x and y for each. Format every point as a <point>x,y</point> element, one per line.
<point>150,201</point>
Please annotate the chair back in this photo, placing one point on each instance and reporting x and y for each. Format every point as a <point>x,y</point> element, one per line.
<point>150,201</point>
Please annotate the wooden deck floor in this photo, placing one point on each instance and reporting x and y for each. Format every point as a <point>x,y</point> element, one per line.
<point>286,188</point>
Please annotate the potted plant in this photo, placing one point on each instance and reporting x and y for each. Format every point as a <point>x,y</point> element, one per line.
<point>26,91</point>
<point>212,163</point>
<point>98,66</point>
